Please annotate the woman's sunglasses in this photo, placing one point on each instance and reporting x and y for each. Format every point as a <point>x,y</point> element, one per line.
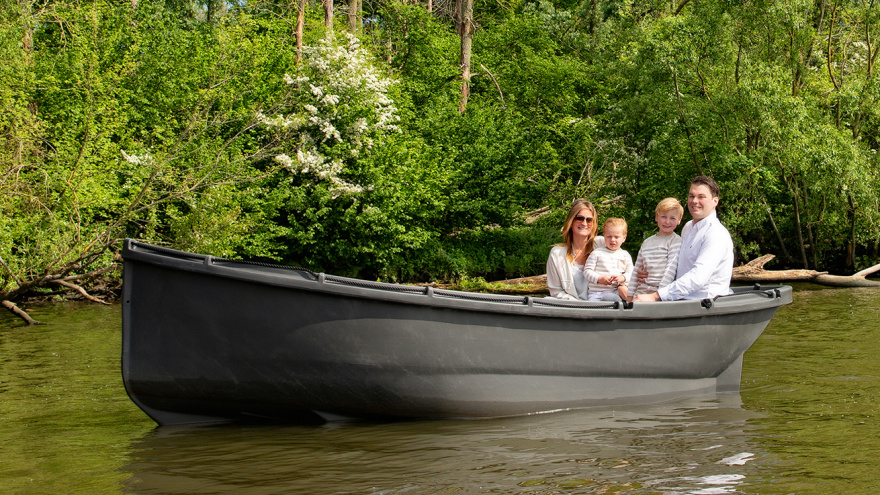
<point>581,218</point>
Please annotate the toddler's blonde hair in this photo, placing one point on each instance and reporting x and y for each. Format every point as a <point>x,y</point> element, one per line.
<point>615,222</point>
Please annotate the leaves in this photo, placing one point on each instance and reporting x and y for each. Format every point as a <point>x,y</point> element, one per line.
<point>162,123</point>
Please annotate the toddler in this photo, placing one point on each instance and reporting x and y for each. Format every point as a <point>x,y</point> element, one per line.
<point>608,269</point>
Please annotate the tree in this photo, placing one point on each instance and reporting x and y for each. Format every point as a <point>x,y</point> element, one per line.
<point>137,122</point>
<point>464,21</point>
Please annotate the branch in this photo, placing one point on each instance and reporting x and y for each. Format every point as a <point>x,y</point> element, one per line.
<point>867,271</point>
<point>681,7</point>
<point>828,57</point>
<point>93,273</point>
<point>684,121</point>
<point>21,313</point>
<point>80,290</point>
<point>17,280</point>
<point>496,84</point>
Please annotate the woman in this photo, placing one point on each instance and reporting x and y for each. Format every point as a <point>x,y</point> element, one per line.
<point>565,266</point>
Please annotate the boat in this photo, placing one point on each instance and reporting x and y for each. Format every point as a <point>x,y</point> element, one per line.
<point>207,339</point>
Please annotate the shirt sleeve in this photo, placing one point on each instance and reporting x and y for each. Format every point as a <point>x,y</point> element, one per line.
<point>628,267</point>
<point>671,262</point>
<point>632,283</point>
<point>712,251</point>
<point>590,272</point>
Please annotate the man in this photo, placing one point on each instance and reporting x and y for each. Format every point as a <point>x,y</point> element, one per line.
<point>705,261</point>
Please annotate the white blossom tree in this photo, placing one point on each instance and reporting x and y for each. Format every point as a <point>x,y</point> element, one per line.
<point>338,105</point>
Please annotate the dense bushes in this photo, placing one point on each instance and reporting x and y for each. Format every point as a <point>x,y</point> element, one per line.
<point>157,121</point>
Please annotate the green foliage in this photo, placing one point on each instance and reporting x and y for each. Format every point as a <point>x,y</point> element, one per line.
<point>146,122</point>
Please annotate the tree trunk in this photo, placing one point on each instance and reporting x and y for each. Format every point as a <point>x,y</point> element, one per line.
<point>465,26</point>
<point>813,251</point>
<point>354,10</point>
<point>876,251</point>
<point>776,231</point>
<point>27,38</point>
<point>851,242</point>
<point>328,17</point>
<point>300,23</point>
<point>684,122</point>
<point>797,217</point>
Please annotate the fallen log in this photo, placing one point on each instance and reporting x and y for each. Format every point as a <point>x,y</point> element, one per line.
<point>754,271</point>
<point>855,280</point>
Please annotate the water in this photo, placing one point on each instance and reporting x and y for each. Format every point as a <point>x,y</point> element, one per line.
<point>806,422</point>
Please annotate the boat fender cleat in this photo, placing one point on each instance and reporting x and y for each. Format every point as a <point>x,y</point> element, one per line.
<point>706,303</point>
<point>757,287</point>
<point>627,305</point>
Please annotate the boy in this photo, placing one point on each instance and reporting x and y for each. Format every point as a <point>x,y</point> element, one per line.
<point>607,269</point>
<point>658,255</point>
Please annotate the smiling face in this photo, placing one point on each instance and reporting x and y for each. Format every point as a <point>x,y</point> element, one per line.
<point>614,237</point>
<point>582,224</point>
<point>701,203</point>
<point>667,221</point>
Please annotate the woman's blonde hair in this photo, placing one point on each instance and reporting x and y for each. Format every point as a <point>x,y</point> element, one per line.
<point>567,234</point>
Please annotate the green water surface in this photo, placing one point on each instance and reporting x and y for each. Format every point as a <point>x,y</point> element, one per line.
<point>805,422</point>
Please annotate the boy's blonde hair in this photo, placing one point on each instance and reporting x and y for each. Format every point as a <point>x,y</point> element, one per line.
<point>615,222</point>
<point>668,204</point>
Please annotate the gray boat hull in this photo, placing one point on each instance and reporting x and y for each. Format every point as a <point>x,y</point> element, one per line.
<point>209,340</point>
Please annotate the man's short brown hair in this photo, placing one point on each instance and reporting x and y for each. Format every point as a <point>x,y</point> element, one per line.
<point>709,182</point>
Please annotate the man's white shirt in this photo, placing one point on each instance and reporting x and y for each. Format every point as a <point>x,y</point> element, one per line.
<point>705,262</point>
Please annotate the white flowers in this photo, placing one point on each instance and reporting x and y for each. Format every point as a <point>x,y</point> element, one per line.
<point>339,106</point>
<point>143,159</point>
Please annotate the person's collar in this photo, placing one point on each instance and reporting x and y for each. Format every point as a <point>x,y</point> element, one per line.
<point>710,218</point>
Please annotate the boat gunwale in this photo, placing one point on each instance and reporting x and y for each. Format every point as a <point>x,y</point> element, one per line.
<point>744,299</point>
